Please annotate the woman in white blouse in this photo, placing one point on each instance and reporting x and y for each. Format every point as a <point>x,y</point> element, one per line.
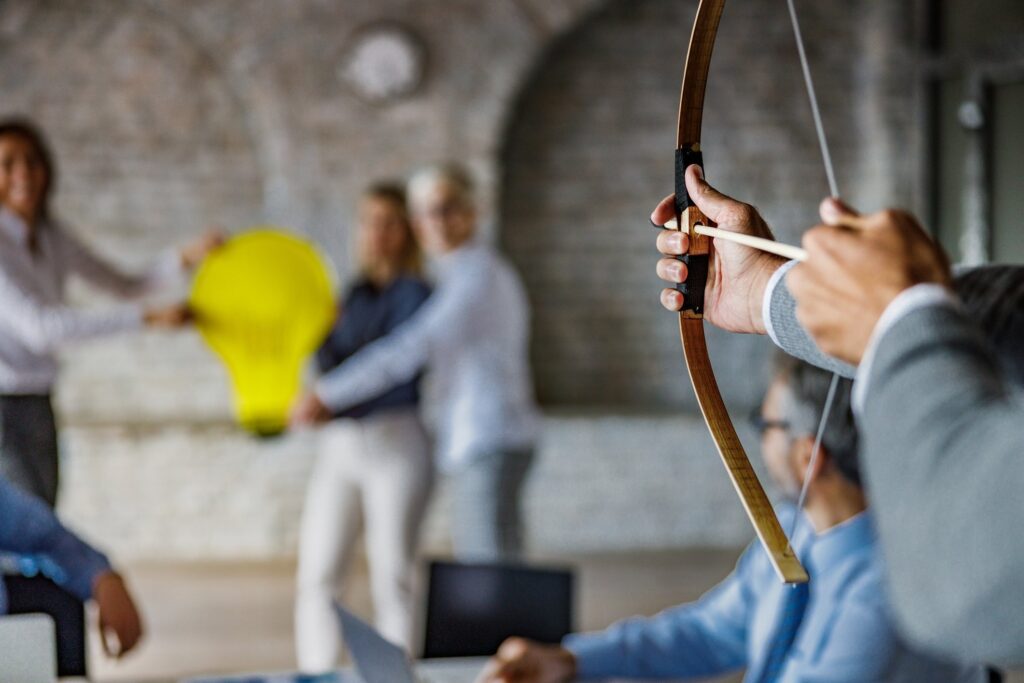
<point>37,255</point>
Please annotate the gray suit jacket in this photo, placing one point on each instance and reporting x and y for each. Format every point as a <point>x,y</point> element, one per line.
<point>942,448</point>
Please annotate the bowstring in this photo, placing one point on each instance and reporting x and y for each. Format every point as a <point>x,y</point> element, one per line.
<point>812,95</point>
<point>833,189</point>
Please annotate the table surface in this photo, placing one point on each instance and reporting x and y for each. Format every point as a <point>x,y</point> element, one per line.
<point>430,671</point>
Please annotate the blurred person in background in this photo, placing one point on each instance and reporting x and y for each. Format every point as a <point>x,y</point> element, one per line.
<point>37,256</point>
<point>374,468</point>
<point>473,338</point>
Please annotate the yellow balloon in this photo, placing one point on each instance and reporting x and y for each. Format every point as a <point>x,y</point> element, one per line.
<point>264,302</point>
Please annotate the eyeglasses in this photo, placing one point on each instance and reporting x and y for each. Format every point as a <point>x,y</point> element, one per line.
<point>444,210</point>
<point>762,424</point>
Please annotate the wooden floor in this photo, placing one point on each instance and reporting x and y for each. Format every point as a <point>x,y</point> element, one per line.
<point>232,618</point>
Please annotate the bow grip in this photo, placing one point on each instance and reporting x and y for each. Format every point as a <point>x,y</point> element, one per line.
<point>688,215</point>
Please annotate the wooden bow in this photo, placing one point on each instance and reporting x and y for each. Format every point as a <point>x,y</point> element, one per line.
<point>691,323</point>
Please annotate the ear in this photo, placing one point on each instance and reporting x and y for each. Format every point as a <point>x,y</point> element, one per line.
<point>800,459</point>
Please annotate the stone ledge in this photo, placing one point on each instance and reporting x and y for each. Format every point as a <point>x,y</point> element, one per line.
<point>603,482</point>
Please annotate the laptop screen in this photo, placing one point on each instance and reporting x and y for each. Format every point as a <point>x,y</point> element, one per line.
<point>472,608</point>
<point>376,660</point>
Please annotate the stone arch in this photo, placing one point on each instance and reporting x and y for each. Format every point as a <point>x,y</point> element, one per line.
<point>589,151</point>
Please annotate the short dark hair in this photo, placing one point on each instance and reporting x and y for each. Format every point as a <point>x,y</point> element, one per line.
<point>804,400</point>
<point>994,295</point>
<point>27,130</point>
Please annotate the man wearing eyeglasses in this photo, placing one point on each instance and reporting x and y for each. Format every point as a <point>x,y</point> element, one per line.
<point>837,628</point>
<point>939,395</point>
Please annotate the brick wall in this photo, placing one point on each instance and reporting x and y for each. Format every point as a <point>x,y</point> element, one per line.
<point>590,152</point>
<point>169,116</point>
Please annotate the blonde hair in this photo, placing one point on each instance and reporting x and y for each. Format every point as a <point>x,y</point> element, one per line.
<point>393,193</point>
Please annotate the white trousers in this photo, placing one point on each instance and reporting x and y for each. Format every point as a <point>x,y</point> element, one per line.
<point>374,473</point>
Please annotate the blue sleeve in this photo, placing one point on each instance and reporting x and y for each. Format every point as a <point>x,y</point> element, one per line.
<point>28,526</point>
<point>704,638</point>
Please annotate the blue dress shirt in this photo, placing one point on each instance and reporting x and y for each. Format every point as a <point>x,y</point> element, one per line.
<point>847,634</point>
<point>29,527</point>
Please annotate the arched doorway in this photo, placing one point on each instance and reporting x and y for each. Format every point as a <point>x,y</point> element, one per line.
<point>589,151</point>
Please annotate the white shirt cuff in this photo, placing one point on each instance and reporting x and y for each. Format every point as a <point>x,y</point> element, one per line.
<point>766,302</point>
<point>168,267</point>
<point>322,390</point>
<point>908,301</point>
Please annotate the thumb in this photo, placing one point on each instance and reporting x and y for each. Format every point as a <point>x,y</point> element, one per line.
<point>710,201</point>
<point>512,648</point>
<point>108,648</point>
<point>832,210</point>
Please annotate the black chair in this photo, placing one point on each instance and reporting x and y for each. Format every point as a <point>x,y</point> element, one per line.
<point>33,595</point>
<point>472,608</point>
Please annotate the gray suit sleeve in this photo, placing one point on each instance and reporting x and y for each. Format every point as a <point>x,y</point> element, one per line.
<point>942,437</point>
<point>793,339</point>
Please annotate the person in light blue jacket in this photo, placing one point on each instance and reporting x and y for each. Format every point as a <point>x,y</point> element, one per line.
<point>837,628</point>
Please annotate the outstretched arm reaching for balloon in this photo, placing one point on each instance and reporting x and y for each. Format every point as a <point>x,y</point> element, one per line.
<point>402,354</point>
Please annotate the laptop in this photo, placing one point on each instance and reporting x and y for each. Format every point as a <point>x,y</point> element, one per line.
<point>28,649</point>
<point>376,660</point>
<point>473,608</point>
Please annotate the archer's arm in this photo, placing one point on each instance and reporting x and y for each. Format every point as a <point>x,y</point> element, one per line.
<point>779,312</point>
<point>942,435</point>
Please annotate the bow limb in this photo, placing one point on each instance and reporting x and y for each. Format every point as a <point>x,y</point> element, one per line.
<point>691,323</point>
